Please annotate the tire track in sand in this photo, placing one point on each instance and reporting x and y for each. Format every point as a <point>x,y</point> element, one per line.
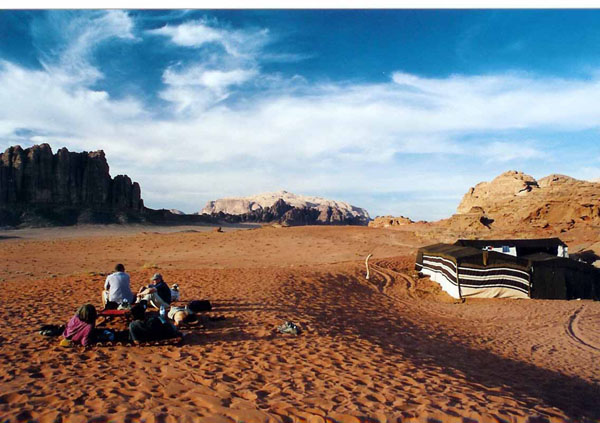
<point>388,279</point>
<point>572,330</point>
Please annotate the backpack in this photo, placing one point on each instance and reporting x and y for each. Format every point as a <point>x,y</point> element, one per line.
<point>51,330</point>
<point>197,306</point>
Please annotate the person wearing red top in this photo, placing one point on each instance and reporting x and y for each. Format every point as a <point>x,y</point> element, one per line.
<point>80,328</point>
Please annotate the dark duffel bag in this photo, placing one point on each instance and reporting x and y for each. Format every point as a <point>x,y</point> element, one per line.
<point>197,306</point>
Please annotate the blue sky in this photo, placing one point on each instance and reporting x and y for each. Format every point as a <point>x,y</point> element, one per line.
<point>396,111</point>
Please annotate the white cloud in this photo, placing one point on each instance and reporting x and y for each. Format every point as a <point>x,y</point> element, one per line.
<point>212,79</point>
<point>507,151</point>
<point>190,34</point>
<point>193,88</point>
<point>504,101</point>
<point>196,34</point>
<point>196,88</point>
<point>82,35</point>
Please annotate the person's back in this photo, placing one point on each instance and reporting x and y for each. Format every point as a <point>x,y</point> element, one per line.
<point>118,286</point>
<point>143,329</point>
<point>80,327</point>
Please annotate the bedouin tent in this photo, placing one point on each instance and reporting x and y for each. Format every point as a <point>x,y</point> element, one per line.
<point>471,272</point>
<point>562,278</point>
<point>524,247</point>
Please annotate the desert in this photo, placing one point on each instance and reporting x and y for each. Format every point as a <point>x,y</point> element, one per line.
<point>337,215</point>
<point>391,348</point>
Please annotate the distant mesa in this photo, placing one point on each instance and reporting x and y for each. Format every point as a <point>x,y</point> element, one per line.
<point>287,209</point>
<point>177,212</point>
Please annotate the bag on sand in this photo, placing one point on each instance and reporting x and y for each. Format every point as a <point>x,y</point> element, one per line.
<point>175,293</point>
<point>290,327</point>
<point>52,330</point>
<point>197,306</point>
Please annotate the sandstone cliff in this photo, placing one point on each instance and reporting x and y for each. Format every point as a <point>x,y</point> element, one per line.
<point>516,199</point>
<point>38,187</point>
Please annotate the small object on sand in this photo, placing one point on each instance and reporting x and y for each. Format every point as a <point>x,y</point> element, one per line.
<point>367,265</point>
<point>52,330</point>
<point>219,229</point>
<point>65,343</point>
<point>289,327</point>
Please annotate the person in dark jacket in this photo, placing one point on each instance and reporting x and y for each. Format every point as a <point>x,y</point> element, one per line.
<point>153,328</point>
<point>157,293</point>
<point>80,329</point>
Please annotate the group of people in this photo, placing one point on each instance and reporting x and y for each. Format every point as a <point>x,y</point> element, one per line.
<point>81,328</point>
<point>117,290</point>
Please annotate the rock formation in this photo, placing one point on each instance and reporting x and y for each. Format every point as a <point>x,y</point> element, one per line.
<point>38,187</point>
<point>389,221</point>
<point>514,199</point>
<point>287,209</point>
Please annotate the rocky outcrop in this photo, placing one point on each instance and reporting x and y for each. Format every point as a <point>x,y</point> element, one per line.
<point>287,209</point>
<point>515,199</point>
<point>286,215</point>
<point>38,187</point>
<point>389,221</point>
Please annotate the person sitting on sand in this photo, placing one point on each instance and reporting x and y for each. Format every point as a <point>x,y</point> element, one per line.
<point>157,294</point>
<point>80,328</point>
<point>117,287</point>
<point>143,329</point>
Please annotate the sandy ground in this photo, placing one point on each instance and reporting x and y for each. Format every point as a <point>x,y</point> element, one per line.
<point>392,348</point>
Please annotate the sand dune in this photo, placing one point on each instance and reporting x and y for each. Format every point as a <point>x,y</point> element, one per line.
<point>393,348</point>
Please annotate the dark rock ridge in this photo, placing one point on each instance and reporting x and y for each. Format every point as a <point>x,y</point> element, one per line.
<point>287,215</point>
<point>38,187</point>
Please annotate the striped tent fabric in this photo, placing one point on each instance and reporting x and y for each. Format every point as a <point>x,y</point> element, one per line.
<point>470,272</point>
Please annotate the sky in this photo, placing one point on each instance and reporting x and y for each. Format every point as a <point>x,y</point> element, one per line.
<point>396,111</point>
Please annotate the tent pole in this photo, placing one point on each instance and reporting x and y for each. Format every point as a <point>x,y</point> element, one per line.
<point>458,281</point>
<point>530,279</point>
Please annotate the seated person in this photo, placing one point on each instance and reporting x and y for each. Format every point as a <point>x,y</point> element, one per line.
<point>79,329</point>
<point>117,287</point>
<point>157,294</point>
<point>143,329</point>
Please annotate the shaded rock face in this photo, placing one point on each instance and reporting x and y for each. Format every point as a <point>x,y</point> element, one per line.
<point>514,198</point>
<point>63,188</point>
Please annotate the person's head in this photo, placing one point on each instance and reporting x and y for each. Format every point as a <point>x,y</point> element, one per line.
<point>87,313</point>
<point>119,268</point>
<point>157,278</point>
<point>138,312</point>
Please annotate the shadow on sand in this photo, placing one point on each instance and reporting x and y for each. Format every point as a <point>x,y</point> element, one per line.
<point>3,237</point>
<point>361,314</point>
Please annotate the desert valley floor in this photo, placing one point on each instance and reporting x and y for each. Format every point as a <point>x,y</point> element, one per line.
<point>392,348</point>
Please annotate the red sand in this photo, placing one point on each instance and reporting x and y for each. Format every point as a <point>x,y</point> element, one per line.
<point>394,348</point>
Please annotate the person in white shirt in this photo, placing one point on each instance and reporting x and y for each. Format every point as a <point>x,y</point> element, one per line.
<point>117,287</point>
